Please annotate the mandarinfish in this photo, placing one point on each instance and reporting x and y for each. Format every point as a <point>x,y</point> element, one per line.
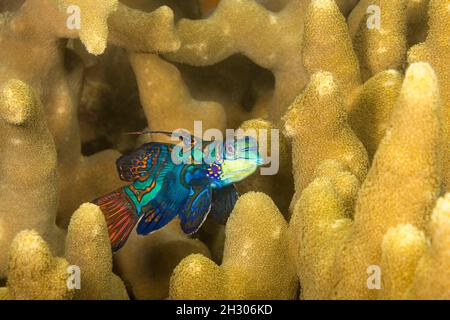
<point>190,180</point>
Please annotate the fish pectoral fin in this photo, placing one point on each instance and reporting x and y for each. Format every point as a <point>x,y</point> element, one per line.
<point>223,201</point>
<point>120,215</point>
<point>196,209</point>
<point>153,219</point>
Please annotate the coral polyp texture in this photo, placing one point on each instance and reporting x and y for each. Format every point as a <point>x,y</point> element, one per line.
<point>256,263</point>
<point>350,99</point>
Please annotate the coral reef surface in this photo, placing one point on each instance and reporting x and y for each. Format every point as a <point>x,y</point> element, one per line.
<point>350,99</point>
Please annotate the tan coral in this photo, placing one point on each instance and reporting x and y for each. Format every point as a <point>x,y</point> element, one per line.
<point>256,264</point>
<point>401,188</point>
<point>380,48</point>
<point>271,40</point>
<point>372,109</point>
<point>402,247</point>
<point>318,227</point>
<point>163,95</point>
<point>432,276</point>
<point>345,183</point>
<point>331,137</point>
<point>367,104</point>
<point>145,263</point>
<point>415,16</point>
<point>114,22</point>
<point>329,217</point>
<point>323,19</point>
<point>33,51</point>
<point>93,17</point>
<point>88,247</point>
<point>436,51</point>
<point>27,169</point>
<point>402,183</point>
<point>33,273</point>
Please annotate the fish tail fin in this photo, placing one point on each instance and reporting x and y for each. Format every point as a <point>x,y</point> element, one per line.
<point>120,215</point>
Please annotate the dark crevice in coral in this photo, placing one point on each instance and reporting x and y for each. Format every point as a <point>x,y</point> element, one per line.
<point>234,81</point>
<point>109,105</point>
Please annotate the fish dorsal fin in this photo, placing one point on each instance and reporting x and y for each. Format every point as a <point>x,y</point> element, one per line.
<point>223,201</point>
<point>196,209</point>
<point>180,134</point>
<point>140,163</point>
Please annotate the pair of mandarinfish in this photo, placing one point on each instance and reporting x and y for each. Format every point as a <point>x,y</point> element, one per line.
<point>191,180</point>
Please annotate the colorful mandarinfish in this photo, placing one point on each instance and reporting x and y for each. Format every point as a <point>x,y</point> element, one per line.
<point>190,180</point>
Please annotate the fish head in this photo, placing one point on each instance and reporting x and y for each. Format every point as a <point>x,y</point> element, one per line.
<point>240,159</point>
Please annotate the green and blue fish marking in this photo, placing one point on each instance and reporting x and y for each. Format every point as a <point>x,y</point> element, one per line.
<point>166,180</point>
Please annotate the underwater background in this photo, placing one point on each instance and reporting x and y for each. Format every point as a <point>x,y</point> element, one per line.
<point>360,91</point>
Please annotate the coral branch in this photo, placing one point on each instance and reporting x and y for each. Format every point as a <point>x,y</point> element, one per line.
<point>402,184</point>
<point>255,265</point>
<point>33,273</point>
<point>381,48</point>
<point>432,277</point>
<point>271,40</point>
<point>27,169</point>
<point>371,112</point>
<point>164,95</point>
<point>323,52</point>
<point>321,103</point>
<point>88,247</point>
<point>436,51</point>
<point>402,247</point>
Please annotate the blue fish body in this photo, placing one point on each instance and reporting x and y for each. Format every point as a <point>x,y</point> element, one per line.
<point>161,188</point>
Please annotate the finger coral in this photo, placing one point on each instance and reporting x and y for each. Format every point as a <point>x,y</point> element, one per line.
<point>238,27</point>
<point>435,50</point>
<point>28,169</point>
<point>33,273</point>
<point>350,99</point>
<point>88,247</point>
<point>401,187</point>
<point>424,264</point>
<point>332,138</point>
<point>380,47</point>
<point>431,279</point>
<point>164,93</point>
<point>255,264</point>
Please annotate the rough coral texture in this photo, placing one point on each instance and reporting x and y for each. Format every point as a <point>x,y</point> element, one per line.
<point>41,80</point>
<point>399,192</point>
<point>27,191</point>
<point>431,279</point>
<point>33,273</point>
<point>332,137</point>
<point>88,247</point>
<point>436,50</point>
<point>256,263</point>
<point>364,117</point>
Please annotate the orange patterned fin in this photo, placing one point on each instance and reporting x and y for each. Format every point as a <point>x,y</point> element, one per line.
<point>120,215</point>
